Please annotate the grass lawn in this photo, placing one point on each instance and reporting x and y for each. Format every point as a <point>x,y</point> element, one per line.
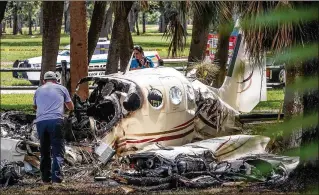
<point>24,101</point>
<point>20,102</point>
<point>274,98</point>
<point>24,46</point>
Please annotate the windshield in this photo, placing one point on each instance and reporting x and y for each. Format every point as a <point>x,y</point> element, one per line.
<point>64,53</point>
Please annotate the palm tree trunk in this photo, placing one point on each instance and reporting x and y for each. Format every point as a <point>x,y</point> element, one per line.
<point>3,5</point>
<point>221,56</point>
<point>41,19</point>
<point>52,21</point>
<point>136,22</point>
<point>79,47</point>
<point>4,27</point>
<point>126,48</point>
<point>161,23</point>
<point>131,19</point>
<point>293,106</point>
<point>144,22</point>
<point>67,17</point>
<point>185,25</point>
<point>106,29</point>
<point>15,19</point>
<point>121,11</point>
<point>199,38</point>
<point>30,21</point>
<point>97,20</point>
<point>305,176</point>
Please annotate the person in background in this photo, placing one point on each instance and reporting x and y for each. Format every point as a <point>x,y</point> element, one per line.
<point>140,61</point>
<point>49,101</point>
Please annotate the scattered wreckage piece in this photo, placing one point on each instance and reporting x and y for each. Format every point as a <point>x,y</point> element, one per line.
<point>207,163</point>
<point>10,172</point>
<point>20,146</point>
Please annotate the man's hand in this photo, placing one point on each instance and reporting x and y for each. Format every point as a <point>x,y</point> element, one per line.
<point>69,105</point>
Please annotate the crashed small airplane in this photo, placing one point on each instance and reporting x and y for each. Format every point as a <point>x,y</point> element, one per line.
<point>131,111</point>
<point>170,129</point>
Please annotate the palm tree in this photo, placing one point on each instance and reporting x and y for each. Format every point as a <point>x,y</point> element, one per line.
<point>262,35</point>
<point>120,31</point>
<point>3,5</point>
<point>201,22</point>
<point>97,20</point>
<point>52,21</point>
<point>79,47</point>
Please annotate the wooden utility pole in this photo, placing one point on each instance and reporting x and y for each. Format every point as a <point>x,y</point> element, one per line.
<point>79,47</point>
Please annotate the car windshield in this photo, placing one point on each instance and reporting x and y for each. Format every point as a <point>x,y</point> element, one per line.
<point>64,53</point>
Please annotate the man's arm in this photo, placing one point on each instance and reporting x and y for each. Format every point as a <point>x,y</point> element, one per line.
<point>69,105</point>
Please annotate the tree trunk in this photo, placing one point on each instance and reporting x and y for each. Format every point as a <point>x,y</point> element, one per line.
<point>131,20</point>
<point>107,26</point>
<point>161,23</point>
<point>41,19</point>
<point>144,22</point>
<point>67,17</point>
<point>35,25</point>
<point>3,5</point>
<point>79,47</point>
<point>30,21</point>
<point>126,48</point>
<point>121,11</point>
<point>20,24</point>
<point>292,107</point>
<point>305,176</point>
<point>185,25</point>
<point>96,26</point>
<point>199,38</point>
<point>136,22</point>
<point>52,21</point>
<point>221,56</point>
<point>15,19</point>
<point>4,27</point>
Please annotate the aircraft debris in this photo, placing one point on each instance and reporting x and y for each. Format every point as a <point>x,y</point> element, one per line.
<point>207,163</point>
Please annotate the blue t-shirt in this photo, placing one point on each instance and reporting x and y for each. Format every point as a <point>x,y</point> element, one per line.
<point>50,99</point>
<point>135,63</point>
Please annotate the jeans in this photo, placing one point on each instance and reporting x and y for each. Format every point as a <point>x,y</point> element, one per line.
<point>51,142</point>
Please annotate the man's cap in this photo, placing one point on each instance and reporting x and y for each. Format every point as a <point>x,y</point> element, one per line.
<point>50,76</point>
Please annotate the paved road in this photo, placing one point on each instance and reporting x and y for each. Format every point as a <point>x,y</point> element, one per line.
<point>18,91</point>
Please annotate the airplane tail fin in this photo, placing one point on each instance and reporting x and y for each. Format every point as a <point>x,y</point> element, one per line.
<point>245,84</point>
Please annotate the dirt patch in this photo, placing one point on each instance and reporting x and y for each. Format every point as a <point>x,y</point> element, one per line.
<point>107,187</point>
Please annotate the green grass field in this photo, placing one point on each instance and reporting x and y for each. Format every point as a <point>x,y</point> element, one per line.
<point>21,47</point>
<point>24,102</point>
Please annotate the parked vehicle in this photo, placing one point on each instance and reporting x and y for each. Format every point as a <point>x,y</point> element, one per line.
<point>275,73</point>
<point>98,60</point>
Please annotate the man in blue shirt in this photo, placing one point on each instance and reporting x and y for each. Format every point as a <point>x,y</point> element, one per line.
<point>140,61</point>
<point>49,101</point>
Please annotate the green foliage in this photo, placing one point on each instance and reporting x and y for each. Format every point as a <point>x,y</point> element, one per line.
<point>152,18</point>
